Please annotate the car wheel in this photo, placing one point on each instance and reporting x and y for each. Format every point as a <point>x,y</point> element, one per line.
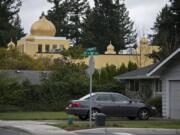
<point>84,117</point>
<point>131,118</point>
<point>94,113</point>
<point>143,114</point>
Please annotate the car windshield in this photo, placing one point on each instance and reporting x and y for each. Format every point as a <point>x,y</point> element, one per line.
<point>86,97</point>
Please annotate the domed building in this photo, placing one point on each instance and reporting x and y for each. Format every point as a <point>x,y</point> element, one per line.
<point>42,41</point>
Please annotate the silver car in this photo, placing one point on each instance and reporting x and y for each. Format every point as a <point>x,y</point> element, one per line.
<point>111,104</point>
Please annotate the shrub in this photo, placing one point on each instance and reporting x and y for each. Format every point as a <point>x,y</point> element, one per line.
<point>10,108</point>
<point>157,102</point>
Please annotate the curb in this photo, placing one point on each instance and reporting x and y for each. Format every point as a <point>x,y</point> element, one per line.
<point>130,130</point>
<point>16,129</point>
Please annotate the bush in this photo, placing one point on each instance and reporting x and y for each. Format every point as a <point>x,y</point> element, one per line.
<point>10,108</point>
<point>157,102</point>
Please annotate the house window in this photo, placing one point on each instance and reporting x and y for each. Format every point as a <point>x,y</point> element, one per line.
<point>47,48</point>
<point>39,48</point>
<point>158,85</point>
<point>134,85</point>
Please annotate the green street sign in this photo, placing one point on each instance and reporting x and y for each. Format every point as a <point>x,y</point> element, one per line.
<point>90,52</point>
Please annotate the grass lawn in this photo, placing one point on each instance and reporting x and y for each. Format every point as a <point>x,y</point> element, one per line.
<point>33,116</point>
<point>111,122</point>
<point>126,124</point>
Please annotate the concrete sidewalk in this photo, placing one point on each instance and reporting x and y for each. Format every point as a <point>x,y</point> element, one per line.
<point>130,131</point>
<point>34,127</point>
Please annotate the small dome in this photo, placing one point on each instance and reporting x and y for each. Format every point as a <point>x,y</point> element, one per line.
<point>144,40</point>
<point>11,45</point>
<point>43,27</point>
<point>110,47</point>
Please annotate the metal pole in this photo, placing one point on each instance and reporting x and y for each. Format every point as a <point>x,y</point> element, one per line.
<point>90,105</point>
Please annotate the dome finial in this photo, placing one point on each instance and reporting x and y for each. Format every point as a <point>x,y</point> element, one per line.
<point>42,15</point>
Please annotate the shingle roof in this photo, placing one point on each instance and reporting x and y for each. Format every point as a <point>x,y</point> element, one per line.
<point>138,74</point>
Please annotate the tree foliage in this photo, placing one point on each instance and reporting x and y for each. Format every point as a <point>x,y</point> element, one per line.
<point>67,16</point>
<point>167,30</point>
<point>14,60</point>
<point>10,27</point>
<point>69,81</point>
<point>108,21</point>
<point>75,52</point>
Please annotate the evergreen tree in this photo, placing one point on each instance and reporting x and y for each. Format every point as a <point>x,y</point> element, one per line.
<point>164,34</point>
<point>9,21</point>
<point>58,15</point>
<point>175,9</point>
<point>67,15</point>
<point>167,30</point>
<point>77,12</point>
<point>108,21</point>
<point>17,32</point>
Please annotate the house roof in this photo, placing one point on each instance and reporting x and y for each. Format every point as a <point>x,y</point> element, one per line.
<point>149,71</point>
<point>163,62</point>
<point>138,74</point>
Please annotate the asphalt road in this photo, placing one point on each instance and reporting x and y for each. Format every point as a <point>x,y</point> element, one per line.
<point>10,132</point>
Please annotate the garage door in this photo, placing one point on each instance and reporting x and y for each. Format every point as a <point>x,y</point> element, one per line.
<point>175,99</point>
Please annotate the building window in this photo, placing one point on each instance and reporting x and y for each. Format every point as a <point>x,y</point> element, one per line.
<point>39,48</point>
<point>54,47</point>
<point>47,48</point>
<point>61,47</point>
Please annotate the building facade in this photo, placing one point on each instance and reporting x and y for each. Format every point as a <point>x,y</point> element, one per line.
<point>42,41</point>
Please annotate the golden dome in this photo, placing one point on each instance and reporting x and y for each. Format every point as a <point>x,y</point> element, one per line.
<point>144,40</point>
<point>11,45</point>
<point>43,27</point>
<point>110,47</point>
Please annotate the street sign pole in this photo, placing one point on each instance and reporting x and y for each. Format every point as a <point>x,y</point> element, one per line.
<point>90,104</point>
<point>90,72</point>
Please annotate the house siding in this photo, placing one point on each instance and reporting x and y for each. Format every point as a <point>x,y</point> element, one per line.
<point>164,98</point>
<point>171,73</point>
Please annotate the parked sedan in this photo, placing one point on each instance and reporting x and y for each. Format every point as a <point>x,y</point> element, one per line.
<point>111,104</point>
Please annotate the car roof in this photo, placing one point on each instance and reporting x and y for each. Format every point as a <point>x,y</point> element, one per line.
<point>105,93</point>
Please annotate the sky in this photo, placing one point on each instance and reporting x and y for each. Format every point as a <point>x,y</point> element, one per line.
<point>142,12</point>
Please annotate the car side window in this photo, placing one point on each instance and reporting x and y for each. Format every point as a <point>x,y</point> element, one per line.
<point>104,98</point>
<point>120,98</point>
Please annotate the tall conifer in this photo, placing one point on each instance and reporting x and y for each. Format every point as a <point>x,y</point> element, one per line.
<point>10,27</point>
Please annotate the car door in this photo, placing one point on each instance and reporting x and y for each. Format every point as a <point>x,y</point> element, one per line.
<point>124,106</point>
<point>105,104</point>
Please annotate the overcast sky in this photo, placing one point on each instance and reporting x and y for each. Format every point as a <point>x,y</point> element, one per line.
<point>142,12</point>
